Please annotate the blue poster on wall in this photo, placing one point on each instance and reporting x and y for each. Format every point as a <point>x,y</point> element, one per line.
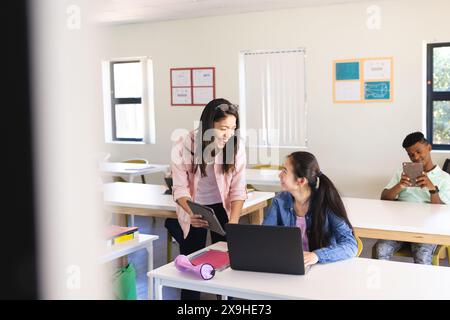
<point>362,80</point>
<point>347,71</point>
<point>377,90</point>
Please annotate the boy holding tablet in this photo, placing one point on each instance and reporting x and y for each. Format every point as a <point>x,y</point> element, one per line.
<point>433,186</point>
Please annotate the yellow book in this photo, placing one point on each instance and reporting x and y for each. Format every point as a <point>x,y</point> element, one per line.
<point>124,238</point>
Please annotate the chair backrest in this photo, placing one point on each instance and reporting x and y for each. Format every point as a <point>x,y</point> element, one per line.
<point>137,160</point>
<point>446,166</point>
<point>360,245</point>
<point>267,166</point>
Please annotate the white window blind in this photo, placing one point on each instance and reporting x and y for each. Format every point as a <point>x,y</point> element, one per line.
<point>273,98</point>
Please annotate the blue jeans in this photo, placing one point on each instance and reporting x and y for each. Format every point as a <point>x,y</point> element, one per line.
<point>422,252</point>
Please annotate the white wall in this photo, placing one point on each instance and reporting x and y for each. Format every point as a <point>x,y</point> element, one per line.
<point>68,194</point>
<point>358,145</point>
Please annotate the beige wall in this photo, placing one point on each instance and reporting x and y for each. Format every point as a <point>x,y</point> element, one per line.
<point>359,145</point>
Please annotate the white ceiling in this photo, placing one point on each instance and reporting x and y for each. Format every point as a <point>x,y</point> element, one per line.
<point>134,11</point>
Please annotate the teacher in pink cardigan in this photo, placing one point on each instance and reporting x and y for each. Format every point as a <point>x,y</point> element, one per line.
<point>208,167</point>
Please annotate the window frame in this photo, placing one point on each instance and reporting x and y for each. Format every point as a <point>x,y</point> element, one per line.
<point>117,101</point>
<point>146,100</point>
<point>433,96</point>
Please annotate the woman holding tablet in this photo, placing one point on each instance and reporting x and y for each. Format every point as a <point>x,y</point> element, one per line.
<point>208,167</point>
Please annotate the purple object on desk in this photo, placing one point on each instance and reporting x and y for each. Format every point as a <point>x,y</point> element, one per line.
<point>205,271</point>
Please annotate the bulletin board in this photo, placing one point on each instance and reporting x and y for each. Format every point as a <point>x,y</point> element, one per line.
<point>363,80</point>
<point>192,86</point>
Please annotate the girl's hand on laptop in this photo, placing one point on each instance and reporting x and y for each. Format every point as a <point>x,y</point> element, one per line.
<point>198,222</point>
<point>310,258</point>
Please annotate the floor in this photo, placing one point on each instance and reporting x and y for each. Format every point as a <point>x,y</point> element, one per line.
<point>156,226</point>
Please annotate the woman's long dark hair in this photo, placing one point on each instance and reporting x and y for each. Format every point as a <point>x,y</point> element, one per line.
<point>214,111</point>
<point>324,196</point>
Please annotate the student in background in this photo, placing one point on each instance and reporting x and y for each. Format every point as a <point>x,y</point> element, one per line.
<point>208,167</point>
<point>310,201</point>
<point>433,187</point>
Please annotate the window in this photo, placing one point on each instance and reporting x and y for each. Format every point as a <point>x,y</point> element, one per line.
<point>128,99</point>
<point>438,95</point>
<point>273,98</point>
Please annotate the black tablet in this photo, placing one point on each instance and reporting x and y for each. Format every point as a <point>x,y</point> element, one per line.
<point>208,214</point>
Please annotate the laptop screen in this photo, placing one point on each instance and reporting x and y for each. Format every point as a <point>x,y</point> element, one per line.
<point>275,249</point>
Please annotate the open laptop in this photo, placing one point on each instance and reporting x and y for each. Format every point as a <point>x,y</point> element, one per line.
<point>275,249</point>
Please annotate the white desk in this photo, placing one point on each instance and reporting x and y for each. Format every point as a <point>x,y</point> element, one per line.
<point>356,278</point>
<point>264,177</point>
<point>130,170</point>
<point>125,248</point>
<point>398,220</point>
<point>150,200</point>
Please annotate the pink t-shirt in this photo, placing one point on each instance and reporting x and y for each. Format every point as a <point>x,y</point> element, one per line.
<point>301,223</point>
<point>207,189</point>
<point>185,180</point>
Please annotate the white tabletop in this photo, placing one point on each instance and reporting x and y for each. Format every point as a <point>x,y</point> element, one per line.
<point>267,177</point>
<point>122,168</point>
<point>124,248</point>
<point>356,278</point>
<point>398,216</point>
<point>150,196</point>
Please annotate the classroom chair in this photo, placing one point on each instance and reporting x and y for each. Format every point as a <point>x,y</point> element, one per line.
<point>137,160</point>
<point>446,166</point>
<point>360,245</point>
<point>406,252</point>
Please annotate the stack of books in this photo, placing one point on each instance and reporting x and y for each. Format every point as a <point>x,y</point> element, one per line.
<point>117,234</point>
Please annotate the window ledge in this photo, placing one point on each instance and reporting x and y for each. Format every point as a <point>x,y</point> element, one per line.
<point>440,151</point>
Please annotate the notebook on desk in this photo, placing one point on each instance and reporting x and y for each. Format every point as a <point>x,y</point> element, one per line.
<point>274,249</point>
<point>218,259</point>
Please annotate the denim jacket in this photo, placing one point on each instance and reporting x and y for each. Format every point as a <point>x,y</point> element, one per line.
<point>342,242</point>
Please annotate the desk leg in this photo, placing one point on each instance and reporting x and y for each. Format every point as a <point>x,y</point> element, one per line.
<point>169,247</point>
<point>121,220</point>
<point>256,217</point>
<point>150,267</point>
<point>158,289</point>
